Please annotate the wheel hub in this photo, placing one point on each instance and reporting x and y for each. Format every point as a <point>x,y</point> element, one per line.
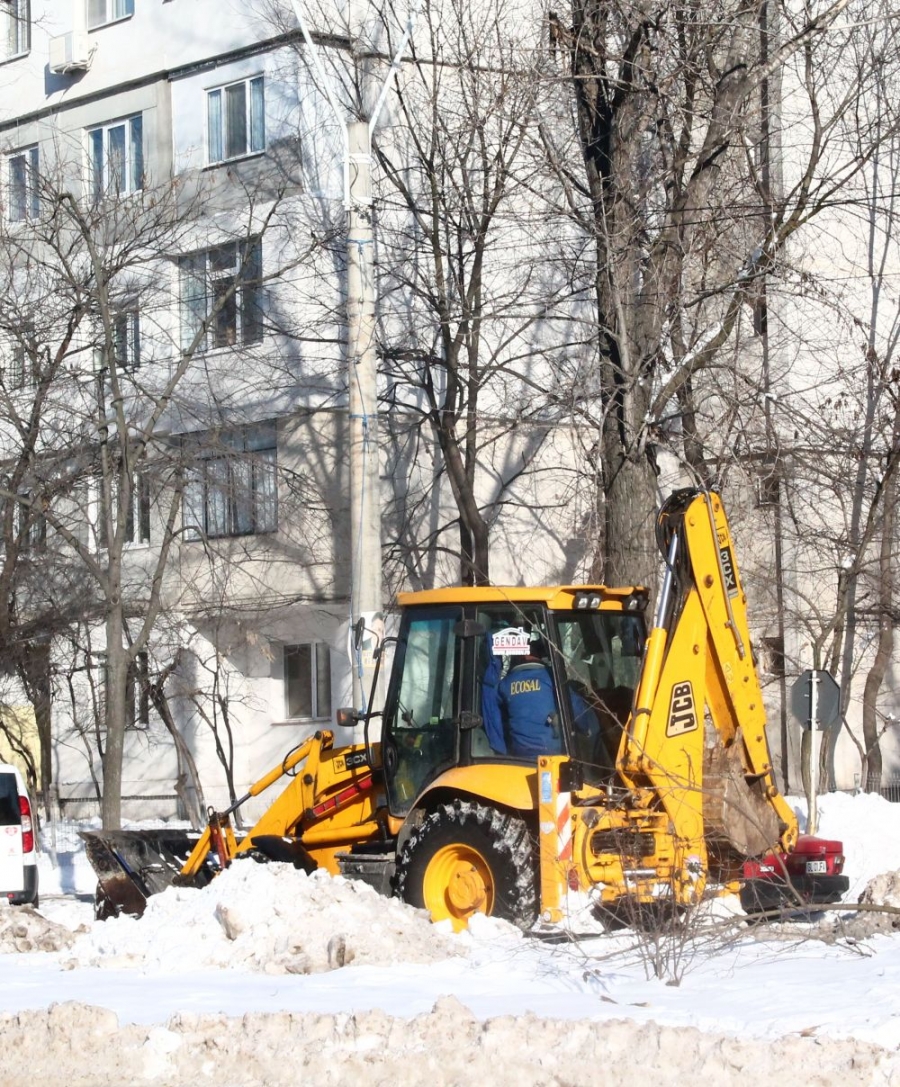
<point>458,882</point>
<point>465,889</point>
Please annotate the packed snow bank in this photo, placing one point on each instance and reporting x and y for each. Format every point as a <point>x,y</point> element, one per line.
<point>444,1047</point>
<point>271,918</point>
<point>23,929</point>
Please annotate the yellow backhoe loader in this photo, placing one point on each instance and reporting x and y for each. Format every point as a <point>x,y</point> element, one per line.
<point>644,780</point>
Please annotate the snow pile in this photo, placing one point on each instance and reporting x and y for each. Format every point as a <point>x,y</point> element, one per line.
<point>444,1047</point>
<point>23,929</point>
<point>271,918</point>
<point>882,891</point>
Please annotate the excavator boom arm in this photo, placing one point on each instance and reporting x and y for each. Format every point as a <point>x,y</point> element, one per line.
<point>698,731</point>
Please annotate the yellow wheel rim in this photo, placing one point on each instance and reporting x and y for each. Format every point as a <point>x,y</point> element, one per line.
<point>458,882</point>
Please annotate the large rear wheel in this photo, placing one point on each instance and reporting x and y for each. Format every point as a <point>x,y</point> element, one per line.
<point>467,858</point>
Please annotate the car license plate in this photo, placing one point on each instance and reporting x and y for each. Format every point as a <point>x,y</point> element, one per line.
<point>816,868</point>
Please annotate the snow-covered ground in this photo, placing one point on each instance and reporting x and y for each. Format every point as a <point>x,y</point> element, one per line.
<point>269,977</point>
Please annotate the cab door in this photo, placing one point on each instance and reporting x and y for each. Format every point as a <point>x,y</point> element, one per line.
<point>420,738</point>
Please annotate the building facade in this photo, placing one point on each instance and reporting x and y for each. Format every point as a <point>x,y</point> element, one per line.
<point>174,345</point>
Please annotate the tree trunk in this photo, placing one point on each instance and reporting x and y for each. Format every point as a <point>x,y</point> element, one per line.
<point>35,674</point>
<point>885,645</point>
<point>115,691</point>
<point>474,559</point>
<point>188,785</point>
<point>629,552</point>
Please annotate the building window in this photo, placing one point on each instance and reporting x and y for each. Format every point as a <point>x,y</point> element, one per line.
<point>100,12</point>
<point>29,523</point>
<point>774,662</point>
<point>137,516</point>
<point>24,193</point>
<point>116,153</point>
<point>307,680</point>
<point>21,371</point>
<point>15,28</point>
<point>221,296</point>
<point>232,489</point>
<point>22,367</point>
<point>137,690</point>
<point>236,119</point>
<point>767,483</point>
<point>126,335</point>
<point>126,329</point>
<point>137,693</point>
<point>137,512</point>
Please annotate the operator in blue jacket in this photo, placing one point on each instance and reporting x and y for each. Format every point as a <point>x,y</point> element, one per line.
<point>528,703</point>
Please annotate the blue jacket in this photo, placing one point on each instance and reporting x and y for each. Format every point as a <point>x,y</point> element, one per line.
<point>528,702</point>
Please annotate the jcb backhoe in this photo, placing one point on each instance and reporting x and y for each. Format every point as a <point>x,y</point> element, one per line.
<point>656,786</point>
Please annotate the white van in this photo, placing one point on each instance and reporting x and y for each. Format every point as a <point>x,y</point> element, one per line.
<point>18,856</point>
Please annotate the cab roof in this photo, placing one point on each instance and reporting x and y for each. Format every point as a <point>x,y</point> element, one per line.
<point>556,597</point>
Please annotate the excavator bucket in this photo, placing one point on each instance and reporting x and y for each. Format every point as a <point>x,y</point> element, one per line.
<point>131,865</point>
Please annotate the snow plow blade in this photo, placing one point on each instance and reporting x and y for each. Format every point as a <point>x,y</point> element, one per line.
<point>131,865</point>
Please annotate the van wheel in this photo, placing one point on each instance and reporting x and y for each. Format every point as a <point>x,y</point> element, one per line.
<point>468,858</point>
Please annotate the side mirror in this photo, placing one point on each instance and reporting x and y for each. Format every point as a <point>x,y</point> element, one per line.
<point>346,717</point>
<point>359,629</point>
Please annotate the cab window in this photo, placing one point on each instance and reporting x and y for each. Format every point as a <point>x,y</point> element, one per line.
<point>421,736</point>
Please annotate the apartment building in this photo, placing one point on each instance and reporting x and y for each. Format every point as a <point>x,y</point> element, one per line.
<point>174,419</point>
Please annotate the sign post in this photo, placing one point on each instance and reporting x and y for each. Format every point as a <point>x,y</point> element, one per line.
<point>816,704</point>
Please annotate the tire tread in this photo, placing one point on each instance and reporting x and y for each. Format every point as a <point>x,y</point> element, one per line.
<point>508,836</point>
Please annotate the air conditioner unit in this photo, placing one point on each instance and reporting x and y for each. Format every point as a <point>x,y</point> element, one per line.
<point>70,52</point>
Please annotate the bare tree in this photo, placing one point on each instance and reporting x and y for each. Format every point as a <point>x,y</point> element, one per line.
<point>113,311</point>
<point>675,110</point>
<point>475,309</point>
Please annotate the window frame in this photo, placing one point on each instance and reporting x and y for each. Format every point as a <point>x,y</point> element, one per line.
<point>204,278</point>
<point>137,515</point>
<point>126,331</point>
<point>30,196</point>
<point>32,534</point>
<point>99,159</point>
<point>126,343</point>
<point>775,657</point>
<point>218,484</point>
<point>319,669</point>
<point>137,691</point>
<point>19,26</point>
<point>109,12</point>
<point>767,483</point>
<point>220,146</point>
<point>21,369</point>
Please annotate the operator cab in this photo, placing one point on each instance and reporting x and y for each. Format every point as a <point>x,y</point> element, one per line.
<point>508,675</point>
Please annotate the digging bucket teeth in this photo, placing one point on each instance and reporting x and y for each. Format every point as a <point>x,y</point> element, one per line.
<point>131,865</point>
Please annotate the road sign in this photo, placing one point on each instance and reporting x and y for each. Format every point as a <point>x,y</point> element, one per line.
<point>828,698</point>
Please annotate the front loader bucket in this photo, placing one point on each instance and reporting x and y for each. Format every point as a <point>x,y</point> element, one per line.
<point>131,865</point>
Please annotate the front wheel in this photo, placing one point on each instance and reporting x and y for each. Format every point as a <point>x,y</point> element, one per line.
<point>469,858</point>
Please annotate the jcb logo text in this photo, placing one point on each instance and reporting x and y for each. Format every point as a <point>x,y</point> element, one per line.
<point>682,715</point>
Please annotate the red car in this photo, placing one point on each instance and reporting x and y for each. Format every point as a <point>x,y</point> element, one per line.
<point>810,876</point>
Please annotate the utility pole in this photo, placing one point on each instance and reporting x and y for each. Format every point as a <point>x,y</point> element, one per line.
<point>362,374</point>
<point>812,819</point>
<point>362,369</point>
